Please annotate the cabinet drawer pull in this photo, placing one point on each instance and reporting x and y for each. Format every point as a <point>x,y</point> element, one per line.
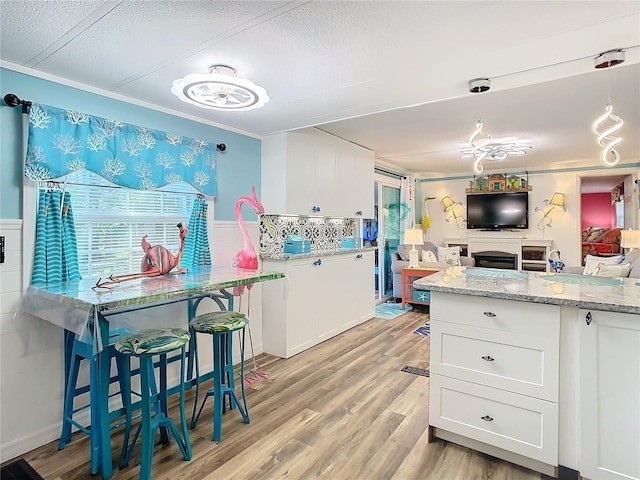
<point>315,209</point>
<point>488,358</point>
<point>318,262</point>
<point>487,418</point>
<point>359,213</point>
<point>490,314</point>
<point>359,256</point>
<point>588,318</point>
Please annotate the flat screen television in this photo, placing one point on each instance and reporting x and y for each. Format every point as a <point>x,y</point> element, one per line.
<point>497,211</point>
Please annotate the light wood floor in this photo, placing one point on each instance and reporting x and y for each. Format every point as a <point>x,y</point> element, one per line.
<point>341,410</point>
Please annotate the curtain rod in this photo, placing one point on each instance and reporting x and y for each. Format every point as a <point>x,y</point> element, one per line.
<point>12,100</point>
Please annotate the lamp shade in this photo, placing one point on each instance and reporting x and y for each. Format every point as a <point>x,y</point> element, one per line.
<point>448,203</point>
<point>413,236</point>
<point>630,238</point>
<point>557,200</point>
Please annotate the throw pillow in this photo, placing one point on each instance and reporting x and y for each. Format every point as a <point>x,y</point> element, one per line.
<point>449,255</point>
<point>592,262</point>
<point>611,236</point>
<point>595,234</point>
<point>429,256</point>
<point>620,270</point>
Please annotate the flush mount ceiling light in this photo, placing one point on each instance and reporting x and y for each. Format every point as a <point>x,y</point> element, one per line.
<point>497,151</point>
<point>605,138</point>
<point>220,89</point>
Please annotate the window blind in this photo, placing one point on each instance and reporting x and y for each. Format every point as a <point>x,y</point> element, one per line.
<point>111,221</point>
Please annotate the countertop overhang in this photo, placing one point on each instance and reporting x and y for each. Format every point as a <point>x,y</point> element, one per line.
<point>620,295</point>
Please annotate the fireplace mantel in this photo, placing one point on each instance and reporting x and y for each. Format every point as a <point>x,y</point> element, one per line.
<point>532,253</point>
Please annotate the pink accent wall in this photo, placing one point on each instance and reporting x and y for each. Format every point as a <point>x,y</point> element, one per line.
<point>596,210</point>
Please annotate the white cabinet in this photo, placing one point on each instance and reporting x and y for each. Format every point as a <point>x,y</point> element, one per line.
<point>609,395</point>
<point>311,172</point>
<point>494,373</point>
<point>319,298</point>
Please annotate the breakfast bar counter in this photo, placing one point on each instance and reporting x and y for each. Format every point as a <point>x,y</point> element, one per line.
<point>602,293</point>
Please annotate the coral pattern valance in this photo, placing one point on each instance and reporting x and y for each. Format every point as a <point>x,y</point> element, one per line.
<point>64,141</point>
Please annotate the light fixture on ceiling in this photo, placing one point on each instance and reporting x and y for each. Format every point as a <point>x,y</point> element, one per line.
<point>478,141</point>
<point>605,138</point>
<point>220,89</point>
<point>498,151</point>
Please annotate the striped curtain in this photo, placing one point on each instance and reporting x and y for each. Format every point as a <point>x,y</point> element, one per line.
<point>196,248</point>
<point>56,252</point>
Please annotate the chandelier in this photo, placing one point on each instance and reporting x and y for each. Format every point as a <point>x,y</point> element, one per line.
<point>609,156</point>
<point>220,89</point>
<point>497,151</point>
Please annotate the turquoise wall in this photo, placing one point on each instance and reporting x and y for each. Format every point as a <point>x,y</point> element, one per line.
<point>238,166</point>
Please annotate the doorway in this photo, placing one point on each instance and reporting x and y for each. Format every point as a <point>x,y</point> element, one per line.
<point>386,194</point>
<point>603,213</point>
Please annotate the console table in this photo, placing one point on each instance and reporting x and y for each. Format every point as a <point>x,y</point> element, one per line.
<point>408,294</point>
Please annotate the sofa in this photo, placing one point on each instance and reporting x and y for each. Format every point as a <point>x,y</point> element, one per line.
<point>598,240</point>
<point>400,260</point>
<point>632,258</point>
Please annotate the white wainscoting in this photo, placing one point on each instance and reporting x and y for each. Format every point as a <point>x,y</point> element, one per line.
<point>31,363</point>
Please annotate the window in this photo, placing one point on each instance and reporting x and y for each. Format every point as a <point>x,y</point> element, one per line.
<point>111,221</point>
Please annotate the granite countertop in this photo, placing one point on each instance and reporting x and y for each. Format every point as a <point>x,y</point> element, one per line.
<point>599,293</point>
<point>316,253</point>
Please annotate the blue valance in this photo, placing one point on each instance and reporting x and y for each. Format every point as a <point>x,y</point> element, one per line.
<point>64,141</point>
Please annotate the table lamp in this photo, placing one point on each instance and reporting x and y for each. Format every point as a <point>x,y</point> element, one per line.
<point>630,239</point>
<point>413,237</point>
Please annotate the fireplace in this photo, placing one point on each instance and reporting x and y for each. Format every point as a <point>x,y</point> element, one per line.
<point>496,260</point>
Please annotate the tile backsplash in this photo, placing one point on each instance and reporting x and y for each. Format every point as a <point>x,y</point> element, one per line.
<point>325,233</point>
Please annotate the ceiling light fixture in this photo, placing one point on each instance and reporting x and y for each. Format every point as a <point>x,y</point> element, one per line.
<point>498,151</point>
<point>479,140</point>
<point>609,155</point>
<point>220,89</point>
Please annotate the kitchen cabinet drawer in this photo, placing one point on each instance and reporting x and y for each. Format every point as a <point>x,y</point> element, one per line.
<point>508,315</point>
<point>517,423</point>
<point>515,362</point>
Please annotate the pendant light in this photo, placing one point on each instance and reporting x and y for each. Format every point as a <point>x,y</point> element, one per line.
<point>606,138</point>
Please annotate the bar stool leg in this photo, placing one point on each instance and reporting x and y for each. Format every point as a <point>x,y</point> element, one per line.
<point>147,429</point>
<point>217,387</point>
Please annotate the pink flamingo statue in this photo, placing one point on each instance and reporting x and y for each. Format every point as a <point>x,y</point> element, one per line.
<point>157,261</point>
<point>247,258</point>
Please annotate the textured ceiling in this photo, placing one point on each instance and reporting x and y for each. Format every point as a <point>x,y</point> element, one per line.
<point>391,76</point>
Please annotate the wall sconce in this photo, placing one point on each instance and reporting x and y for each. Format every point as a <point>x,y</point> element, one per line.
<point>556,203</point>
<point>630,239</point>
<point>413,237</point>
<point>450,209</point>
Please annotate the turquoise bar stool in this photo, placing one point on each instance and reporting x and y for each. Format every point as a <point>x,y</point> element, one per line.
<point>144,344</point>
<point>221,325</point>
<point>77,351</point>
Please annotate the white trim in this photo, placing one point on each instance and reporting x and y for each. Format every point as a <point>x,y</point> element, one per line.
<point>8,224</point>
<point>104,93</point>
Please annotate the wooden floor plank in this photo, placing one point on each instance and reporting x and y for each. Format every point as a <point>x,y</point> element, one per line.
<point>342,410</point>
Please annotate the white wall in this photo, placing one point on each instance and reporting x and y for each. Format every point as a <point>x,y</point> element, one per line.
<point>31,361</point>
<point>565,230</point>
